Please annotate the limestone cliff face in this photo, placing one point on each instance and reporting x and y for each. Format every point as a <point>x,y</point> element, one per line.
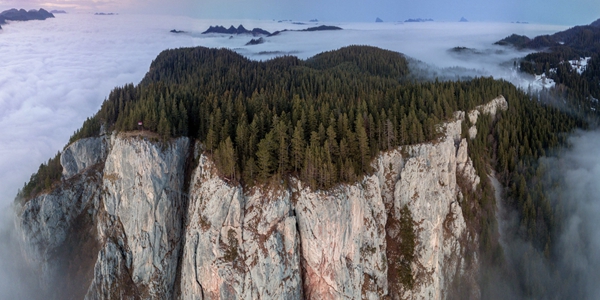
<point>161,224</point>
<point>237,245</point>
<point>141,224</point>
<point>83,154</point>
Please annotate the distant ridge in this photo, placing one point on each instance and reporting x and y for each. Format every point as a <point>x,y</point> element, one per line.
<point>463,20</point>
<point>56,11</point>
<point>318,28</point>
<point>418,20</point>
<point>519,41</point>
<point>378,20</point>
<point>23,15</point>
<point>232,30</point>
<point>255,41</point>
<point>258,31</point>
<point>581,39</point>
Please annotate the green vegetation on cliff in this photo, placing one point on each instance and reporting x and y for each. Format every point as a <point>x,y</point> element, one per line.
<point>43,180</point>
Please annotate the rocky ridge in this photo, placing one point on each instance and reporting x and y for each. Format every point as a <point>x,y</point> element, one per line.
<point>161,223</point>
<point>232,30</point>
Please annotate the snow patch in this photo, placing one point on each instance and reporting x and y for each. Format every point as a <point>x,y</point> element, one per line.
<point>580,65</point>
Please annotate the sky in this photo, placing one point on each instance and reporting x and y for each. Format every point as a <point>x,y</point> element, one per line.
<point>563,12</point>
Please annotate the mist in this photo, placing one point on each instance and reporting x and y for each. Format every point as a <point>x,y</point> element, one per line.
<point>580,239</point>
<point>571,270</point>
<point>18,276</point>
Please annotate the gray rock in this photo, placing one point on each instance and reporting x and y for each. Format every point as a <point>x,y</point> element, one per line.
<point>159,237</point>
<point>55,221</point>
<point>82,154</point>
<point>144,207</point>
<point>239,246</point>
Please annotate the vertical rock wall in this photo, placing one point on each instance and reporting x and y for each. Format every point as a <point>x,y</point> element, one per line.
<point>141,219</point>
<point>155,234</point>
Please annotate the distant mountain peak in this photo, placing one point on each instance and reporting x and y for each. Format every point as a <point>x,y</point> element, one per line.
<point>462,19</point>
<point>232,30</point>
<point>317,28</point>
<point>378,20</point>
<point>255,41</point>
<point>519,41</point>
<point>23,15</point>
<point>417,20</point>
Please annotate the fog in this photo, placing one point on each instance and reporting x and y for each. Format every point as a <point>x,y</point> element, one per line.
<point>580,239</point>
<point>56,73</point>
<point>18,278</point>
<point>572,271</point>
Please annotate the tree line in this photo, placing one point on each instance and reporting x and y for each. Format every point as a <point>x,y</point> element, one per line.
<point>322,119</point>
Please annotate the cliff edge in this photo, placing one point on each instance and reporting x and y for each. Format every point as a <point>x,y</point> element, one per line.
<point>138,219</point>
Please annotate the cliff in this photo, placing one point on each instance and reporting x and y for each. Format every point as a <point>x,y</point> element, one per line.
<point>138,219</point>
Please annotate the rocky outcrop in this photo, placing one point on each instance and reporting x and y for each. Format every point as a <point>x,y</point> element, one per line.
<point>57,228</point>
<point>239,246</point>
<point>143,205</point>
<point>343,241</point>
<point>163,224</point>
<point>45,221</point>
<point>428,187</point>
<point>490,108</point>
<point>464,164</point>
<point>255,42</point>
<point>83,154</point>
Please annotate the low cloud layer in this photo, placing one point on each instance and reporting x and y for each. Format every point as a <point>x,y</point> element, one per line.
<point>572,271</point>
<point>580,239</point>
